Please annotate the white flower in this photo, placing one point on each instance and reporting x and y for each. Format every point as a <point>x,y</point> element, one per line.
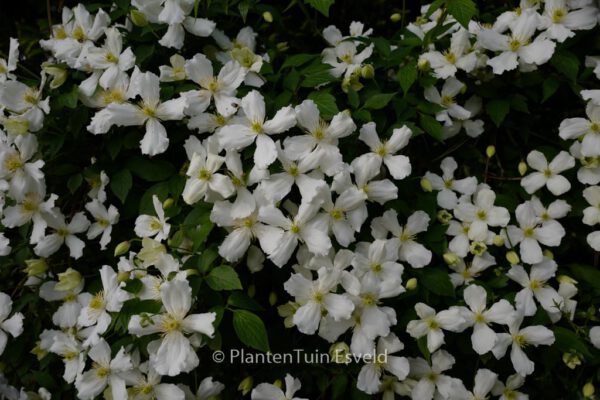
<point>379,261</point>
<point>148,387</point>
<point>174,72</point>
<point>483,338</point>
<point>588,130</point>
<point>315,297</point>
<point>447,185</point>
<point>173,353</point>
<point>595,336</point>
<point>346,215</point>
<point>221,88</point>
<point>67,347</point>
<point>17,167</point>
<point>63,233</point>
<point>560,22</point>
<point>202,177</point>
<point>431,383</point>
<point>548,174</point>
<point>30,207</point>
<point>531,232</point>
<point>253,127</point>
<point>485,380</point>
<point>535,285</point>
<point>105,371</point>
<point>452,87</point>
<point>12,325</point>
<point>72,302</point>
<point>149,112</point>
<point>508,391</point>
<point>482,214</point>
<point>519,338</point>
<point>369,377</point>
<point>431,324</point>
<point>8,66</point>
<point>403,236</point>
<point>458,56</point>
<point>383,152</point>
<point>105,219</point>
<point>345,58</point>
<point>519,46</point>
<point>266,391</point>
<point>151,226</point>
<point>175,13</point>
<point>466,272</point>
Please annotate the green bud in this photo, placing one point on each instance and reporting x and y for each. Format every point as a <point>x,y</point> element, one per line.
<point>282,46</point>
<point>426,185</point>
<point>168,203</point>
<point>571,360</point>
<point>566,279</point>
<point>272,298</point>
<point>548,253</point>
<point>588,390</point>
<point>122,248</point>
<point>411,284</point>
<point>367,71</point>
<point>245,385</point>
<point>522,168</point>
<point>251,290</point>
<point>339,353</point>
<point>35,266</point>
<point>490,151</point>
<point>59,75</point>
<point>267,16</point>
<point>498,240</point>
<point>444,217</point>
<point>450,258</point>
<point>423,64</point>
<point>512,257</point>
<point>122,276</point>
<point>478,248</point>
<point>68,280</point>
<point>138,18</point>
<point>395,17</point>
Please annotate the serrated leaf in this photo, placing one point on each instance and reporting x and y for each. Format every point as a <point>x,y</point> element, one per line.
<point>250,330</point>
<point>223,277</point>
<point>462,10</point>
<point>321,5</point>
<point>566,63</point>
<point>378,101</point>
<point>432,127</point>
<point>325,102</point>
<point>120,184</point>
<point>407,75</point>
<point>497,110</point>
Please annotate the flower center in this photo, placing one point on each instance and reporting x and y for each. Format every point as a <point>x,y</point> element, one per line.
<point>376,267</point>
<point>558,14</point>
<point>111,58</point>
<point>450,57</point>
<point>515,44</point>
<point>13,162</point>
<point>295,228</point>
<point>170,324</point>
<point>204,174</point>
<point>97,302</point>
<point>336,214</point>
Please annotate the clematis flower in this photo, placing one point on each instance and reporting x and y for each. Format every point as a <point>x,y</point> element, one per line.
<point>12,325</point>
<point>535,285</point>
<point>63,234</point>
<point>202,177</point>
<point>586,129</point>
<point>431,382</point>
<point>445,99</point>
<point>7,66</point>
<point>104,218</point>
<point>30,207</point>
<point>548,174</point>
<point>448,187</point>
<point>369,377</point>
<point>458,56</point>
<point>266,391</point>
<point>151,226</point>
<point>482,214</point>
<point>560,21</point>
<point>431,324</point>
<point>383,152</point>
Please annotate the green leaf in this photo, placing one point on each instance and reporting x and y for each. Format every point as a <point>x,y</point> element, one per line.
<point>339,384</point>
<point>519,103</point>
<point>353,98</point>
<point>566,63</point>
<point>437,281</point>
<point>407,75</point>
<point>69,99</point>
<point>432,127</point>
<point>321,5</point>
<point>250,330</point>
<point>133,286</point>
<point>150,170</point>
<point>325,102</point>
<point>244,7</point>
<point>567,341</point>
<point>433,7</point>
<point>497,110</point>
<point>549,87</point>
<point>462,10</point>
<point>223,277</point>
<point>378,101</point>
<point>74,182</point>
<point>587,275</point>
<point>317,76</point>
<point>240,299</point>
<point>297,60</point>
<point>121,183</point>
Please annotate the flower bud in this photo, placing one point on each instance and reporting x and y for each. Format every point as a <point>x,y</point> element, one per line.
<point>282,46</point>
<point>444,217</point>
<point>512,257</point>
<point>245,385</point>
<point>122,248</point>
<point>423,64</point>
<point>411,284</point>
<point>522,168</point>
<point>548,253</point>
<point>267,16</point>
<point>272,298</point>
<point>450,258</point>
<point>395,17</point>
<point>490,151</point>
<point>498,240</point>
<point>339,353</point>
<point>566,279</point>
<point>478,248</point>
<point>16,125</point>
<point>278,384</point>
<point>122,276</point>
<point>251,291</point>
<point>59,75</point>
<point>168,203</point>
<point>138,18</point>
<point>588,390</point>
<point>35,266</point>
<point>426,185</point>
<point>367,71</point>
<point>68,280</point>
<point>571,360</point>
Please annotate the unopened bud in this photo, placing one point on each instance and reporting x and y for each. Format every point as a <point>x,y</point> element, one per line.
<point>282,46</point>
<point>571,360</point>
<point>450,258</point>
<point>426,185</point>
<point>122,248</point>
<point>498,240</point>
<point>423,64</point>
<point>35,266</point>
<point>168,203</point>
<point>122,276</point>
<point>272,298</point>
<point>490,151</point>
<point>138,18</point>
<point>411,284</point>
<point>245,385</point>
<point>478,248</point>
<point>395,17</point>
<point>339,353</point>
<point>522,168</point>
<point>547,253</point>
<point>251,291</point>
<point>566,279</point>
<point>367,71</point>
<point>444,216</point>
<point>278,384</point>
<point>512,257</point>
<point>58,74</point>
<point>267,16</point>
<point>588,389</point>
<point>68,280</point>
